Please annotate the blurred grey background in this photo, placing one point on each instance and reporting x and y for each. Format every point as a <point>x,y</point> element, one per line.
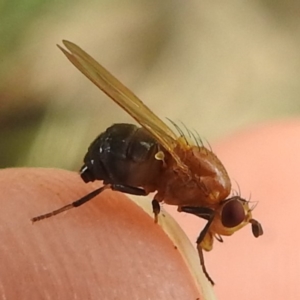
<point>217,66</point>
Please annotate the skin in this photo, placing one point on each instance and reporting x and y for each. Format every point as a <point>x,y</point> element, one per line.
<point>87,252</point>
<point>108,249</point>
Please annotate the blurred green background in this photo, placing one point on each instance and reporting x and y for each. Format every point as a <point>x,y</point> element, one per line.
<point>217,66</point>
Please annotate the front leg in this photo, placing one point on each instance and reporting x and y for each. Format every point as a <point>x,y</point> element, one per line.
<point>207,214</point>
<point>201,258</point>
<point>202,212</point>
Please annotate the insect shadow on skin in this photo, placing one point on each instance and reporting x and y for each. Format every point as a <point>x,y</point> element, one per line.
<point>152,158</point>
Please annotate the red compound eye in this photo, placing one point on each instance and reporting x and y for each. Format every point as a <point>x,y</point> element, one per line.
<point>233,213</point>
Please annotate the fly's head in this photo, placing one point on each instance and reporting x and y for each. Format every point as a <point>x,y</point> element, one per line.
<point>233,214</point>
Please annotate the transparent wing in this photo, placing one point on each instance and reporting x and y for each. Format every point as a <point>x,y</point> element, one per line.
<point>123,97</point>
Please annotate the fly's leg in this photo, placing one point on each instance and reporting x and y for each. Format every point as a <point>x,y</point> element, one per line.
<point>76,203</point>
<point>201,258</point>
<point>155,209</point>
<point>138,192</point>
<point>207,214</point>
<point>128,189</point>
<point>90,196</point>
<point>201,212</point>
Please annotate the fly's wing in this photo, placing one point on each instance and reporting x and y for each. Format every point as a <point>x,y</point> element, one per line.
<point>124,98</point>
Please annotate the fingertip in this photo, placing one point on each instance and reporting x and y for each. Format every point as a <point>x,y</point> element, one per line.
<point>108,248</point>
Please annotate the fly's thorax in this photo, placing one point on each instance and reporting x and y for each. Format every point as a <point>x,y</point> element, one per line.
<point>206,165</point>
<point>204,183</point>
